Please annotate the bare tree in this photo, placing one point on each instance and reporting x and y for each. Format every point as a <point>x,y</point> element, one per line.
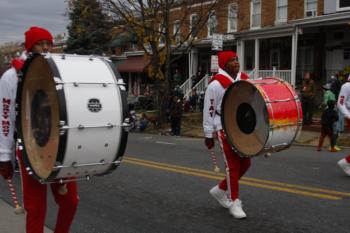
<point>152,22</point>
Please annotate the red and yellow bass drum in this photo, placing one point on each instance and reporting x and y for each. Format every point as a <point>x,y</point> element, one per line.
<point>261,116</point>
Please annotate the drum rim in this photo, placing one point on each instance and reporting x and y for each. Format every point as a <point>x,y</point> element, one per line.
<point>62,116</point>
<point>222,118</point>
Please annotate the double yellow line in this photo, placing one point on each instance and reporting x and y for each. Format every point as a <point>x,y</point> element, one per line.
<point>272,185</point>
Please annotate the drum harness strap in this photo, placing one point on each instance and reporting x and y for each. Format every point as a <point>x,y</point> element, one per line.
<point>225,82</point>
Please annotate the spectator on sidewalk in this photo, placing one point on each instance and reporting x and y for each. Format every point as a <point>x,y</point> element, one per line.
<point>175,116</point>
<point>177,77</point>
<point>328,119</point>
<point>335,85</point>
<point>193,100</point>
<point>201,101</point>
<point>143,122</point>
<point>344,108</point>
<point>308,94</point>
<point>327,96</point>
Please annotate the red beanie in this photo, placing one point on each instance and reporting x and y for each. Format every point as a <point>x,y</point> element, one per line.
<point>224,56</point>
<point>34,35</point>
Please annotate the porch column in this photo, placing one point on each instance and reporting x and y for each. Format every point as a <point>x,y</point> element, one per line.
<point>294,56</point>
<point>240,51</point>
<point>256,62</point>
<point>130,84</point>
<point>194,57</point>
<point>190,66</point>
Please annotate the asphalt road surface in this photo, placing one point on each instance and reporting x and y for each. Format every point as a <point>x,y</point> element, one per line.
<point>162,187</point>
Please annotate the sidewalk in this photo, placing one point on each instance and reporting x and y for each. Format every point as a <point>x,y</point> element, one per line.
<point>10,222</point>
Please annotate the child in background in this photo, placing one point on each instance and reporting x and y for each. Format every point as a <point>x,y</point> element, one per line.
<point>329,117</point>
<point>143,123</point>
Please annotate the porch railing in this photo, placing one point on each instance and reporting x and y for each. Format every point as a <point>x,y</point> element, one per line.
<point>202,84</point>
<point>253,74</point>
<point>286,75</point>
<point>186,87</point>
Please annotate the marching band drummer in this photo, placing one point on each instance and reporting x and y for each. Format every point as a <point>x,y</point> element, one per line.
<point>344,108</point>
<point>227,191</point>
<point>37,40</point>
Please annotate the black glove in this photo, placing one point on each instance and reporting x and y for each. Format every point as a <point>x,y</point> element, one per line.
<point>6,170</point>
<point>209,142</point>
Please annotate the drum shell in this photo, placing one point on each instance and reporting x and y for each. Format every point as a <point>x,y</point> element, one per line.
<point>278,111</point>
<point>78,79</point>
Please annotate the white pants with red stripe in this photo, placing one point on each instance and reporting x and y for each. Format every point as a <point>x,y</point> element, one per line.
<point>34,199</point>
<point>236,167</point>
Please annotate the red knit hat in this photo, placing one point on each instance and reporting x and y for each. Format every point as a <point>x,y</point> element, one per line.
<point>224,56</point>
<point>36,34</point>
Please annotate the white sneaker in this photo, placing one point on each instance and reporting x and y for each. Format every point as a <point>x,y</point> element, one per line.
<point>343,164</point>
<point>221,196</point>
<point>236,209</point>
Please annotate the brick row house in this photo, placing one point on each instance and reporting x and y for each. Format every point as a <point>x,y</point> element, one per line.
<point>281,37</point>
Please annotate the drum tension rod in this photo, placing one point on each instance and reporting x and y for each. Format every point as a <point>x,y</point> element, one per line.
<point>63,181</point>
<point>76,165</point>
<point>81,127</point>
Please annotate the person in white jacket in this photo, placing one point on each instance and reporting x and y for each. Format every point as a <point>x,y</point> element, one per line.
<point>227,191</point>
<point>37,40</point>
<point>344,108</point>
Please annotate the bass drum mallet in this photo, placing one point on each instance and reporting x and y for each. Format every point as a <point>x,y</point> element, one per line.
<point>18,207</point>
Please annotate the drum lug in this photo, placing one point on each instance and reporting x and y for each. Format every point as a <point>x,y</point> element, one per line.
<point>126,124</point>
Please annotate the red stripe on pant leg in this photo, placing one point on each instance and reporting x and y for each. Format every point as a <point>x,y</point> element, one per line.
<point>68,204</point>
<point>223,183</point>
<point>34,200</point>
<point>233,165</point>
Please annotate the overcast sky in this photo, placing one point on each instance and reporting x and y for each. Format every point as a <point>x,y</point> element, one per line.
<point>16,16</point>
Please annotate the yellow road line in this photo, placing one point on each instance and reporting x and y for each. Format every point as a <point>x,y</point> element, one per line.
<point>217,177</point>
<point>332,192</point>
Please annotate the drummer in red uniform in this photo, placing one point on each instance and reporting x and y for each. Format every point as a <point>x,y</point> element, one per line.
<point>37,40</point>
<point>227,191</point>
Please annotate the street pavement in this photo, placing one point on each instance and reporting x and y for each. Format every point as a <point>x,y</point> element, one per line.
<point>12,223</point>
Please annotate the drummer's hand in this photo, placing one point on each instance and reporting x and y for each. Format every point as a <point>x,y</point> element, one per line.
<point>209,142</point>
<point>6,170</point>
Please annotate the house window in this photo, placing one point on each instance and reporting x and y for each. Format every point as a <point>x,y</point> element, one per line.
<point>232,18</point>
<point>176,31</point>
<point>193,24</point>
<point>255,13</point>
<point>212,23</point>
<point>343,5</point>
<point>282,10</point>
<point>310,8</point>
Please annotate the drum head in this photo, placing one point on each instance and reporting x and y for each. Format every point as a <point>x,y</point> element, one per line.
<point>39,117</point>
<point>245,118</point>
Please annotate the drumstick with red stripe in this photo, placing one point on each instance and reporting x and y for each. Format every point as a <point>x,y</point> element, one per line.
<point>215,164</point>
<point>18,208</point>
